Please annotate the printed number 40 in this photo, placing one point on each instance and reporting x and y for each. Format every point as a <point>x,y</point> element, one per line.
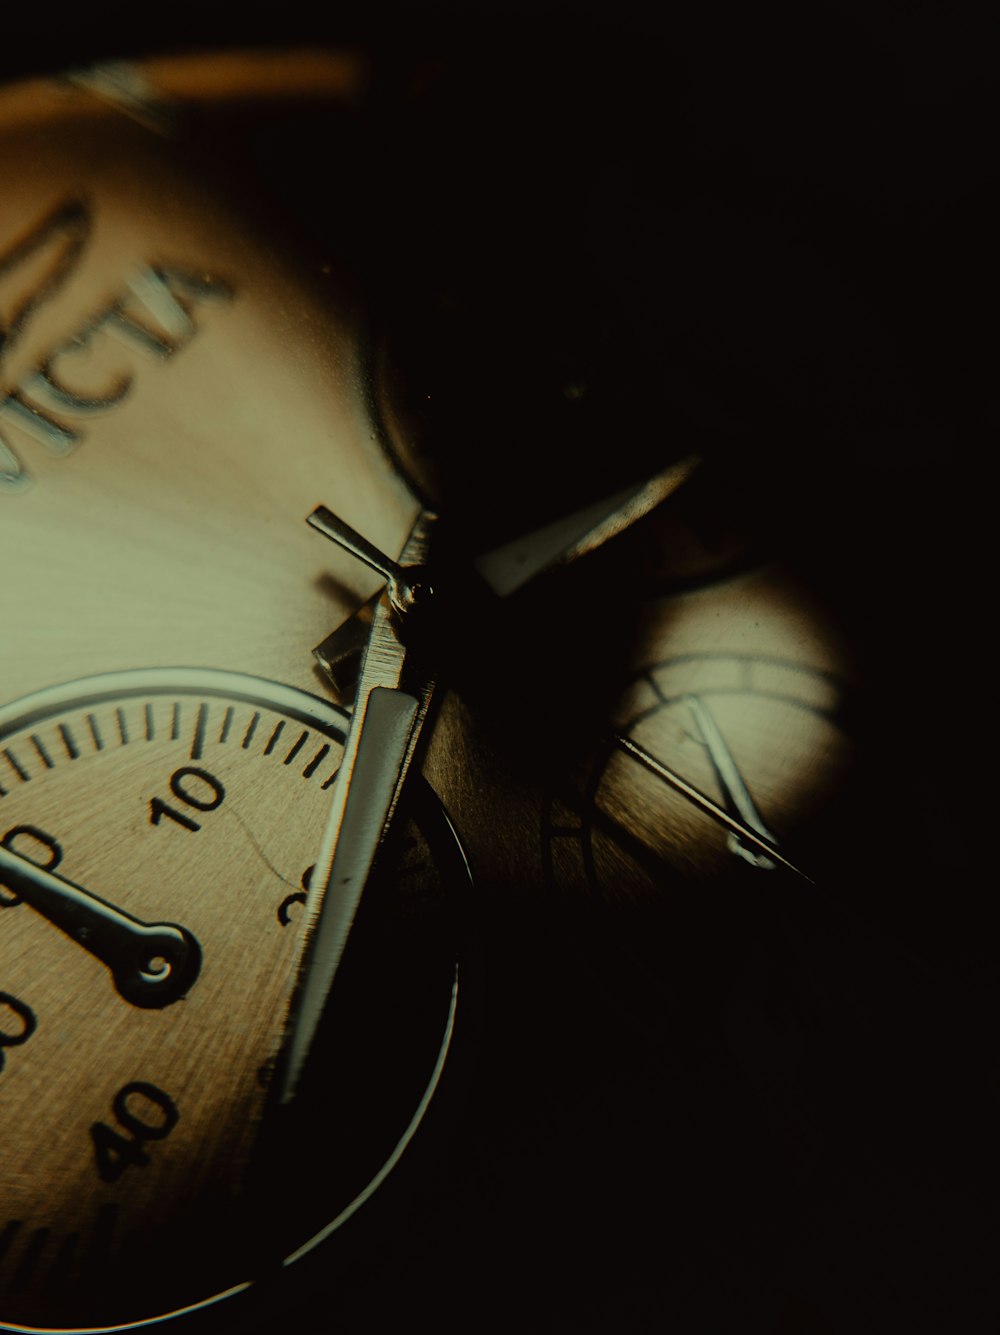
<point>113,1151</point>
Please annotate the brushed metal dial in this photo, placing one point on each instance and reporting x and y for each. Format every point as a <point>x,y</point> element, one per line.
<point>190,796</point>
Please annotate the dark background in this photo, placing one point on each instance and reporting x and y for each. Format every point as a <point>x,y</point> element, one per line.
<point>774,236</point>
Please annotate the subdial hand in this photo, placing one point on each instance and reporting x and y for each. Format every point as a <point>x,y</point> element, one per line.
<point>743,832</point>
<point>730,779</point>
<point>152,964</point>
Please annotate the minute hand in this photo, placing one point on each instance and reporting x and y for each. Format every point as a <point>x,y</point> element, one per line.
<point>380,746</point>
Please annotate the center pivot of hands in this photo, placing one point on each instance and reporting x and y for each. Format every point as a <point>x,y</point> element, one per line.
<point>409,587</point>
<point>411,592</point>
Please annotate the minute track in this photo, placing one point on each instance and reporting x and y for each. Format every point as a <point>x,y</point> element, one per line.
<point>48,754</point>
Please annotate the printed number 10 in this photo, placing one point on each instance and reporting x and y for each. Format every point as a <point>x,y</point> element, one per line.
<point>196,789</point>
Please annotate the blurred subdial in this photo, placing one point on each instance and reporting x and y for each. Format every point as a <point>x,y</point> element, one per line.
<point>740,691</point>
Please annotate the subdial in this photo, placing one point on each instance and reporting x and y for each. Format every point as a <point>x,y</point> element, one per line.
<point>190,798</point>
<point>727,742</point>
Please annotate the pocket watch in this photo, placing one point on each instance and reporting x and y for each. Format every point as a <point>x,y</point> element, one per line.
<point>502,902</point>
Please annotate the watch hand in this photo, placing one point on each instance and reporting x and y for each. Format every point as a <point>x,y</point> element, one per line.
<point>389,712</point>
<point>404,591</point>
<point>152,964</point>
<point>365,796</point>
<point>731,780</point>
<point>734,824</point>
<point>506,569</point>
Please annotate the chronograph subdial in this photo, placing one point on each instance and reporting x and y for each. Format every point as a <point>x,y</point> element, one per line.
<point>706,809</point>
<point>748,734</point>
<point>190,797</point>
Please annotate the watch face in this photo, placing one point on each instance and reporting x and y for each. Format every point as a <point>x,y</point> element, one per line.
<point>585,930</point>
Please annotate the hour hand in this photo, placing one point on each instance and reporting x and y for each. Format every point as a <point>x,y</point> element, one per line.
<point>515,564</point>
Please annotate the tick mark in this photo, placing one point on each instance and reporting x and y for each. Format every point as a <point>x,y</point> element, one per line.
<point>69,741</point>
<point>99,1246</point>
<point>175,721</point>
<point>316,761</point>
<point>227,723</point>
<point>199,731</point>
<point>122,725</point>
<point>251,729</point>
<point>30,1258</point>
<point>17,767</point>
<point>150,724</point>
<point>7,1237</point>
<point>657,688</point>
<point>95,732</point>
<point>63,1261</point>
<point>296,748</point>
<point>43,754</point>
<point>279,729</point>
